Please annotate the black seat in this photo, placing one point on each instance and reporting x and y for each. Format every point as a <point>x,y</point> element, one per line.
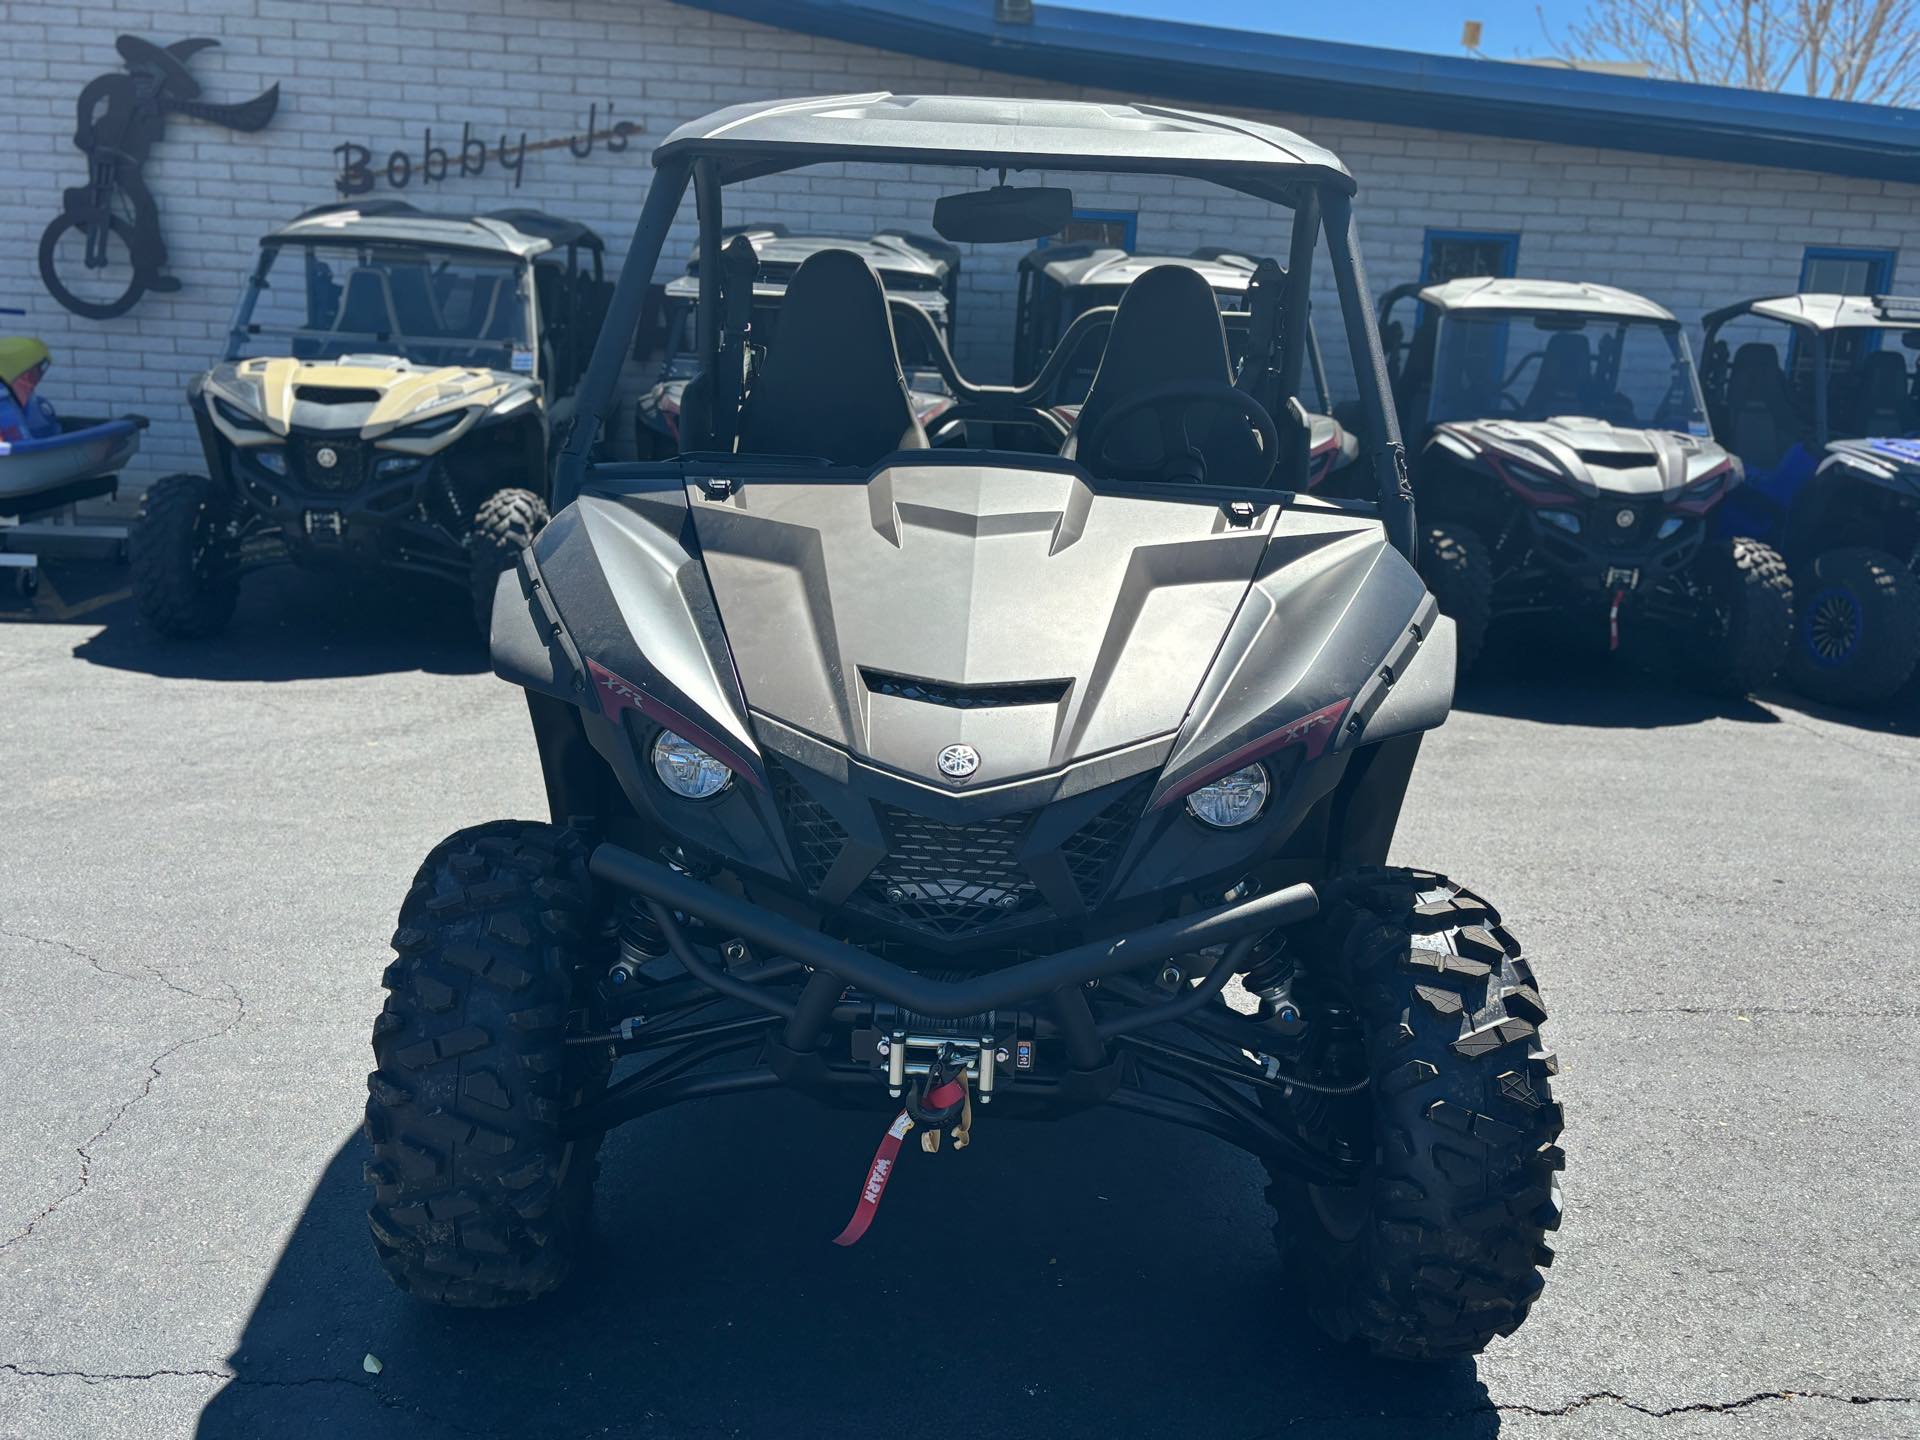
<point>1565,379</point>
<point>1166,331</point>
<point>1761,419</point>
<point>831,386</point>
<point>1885,405</point>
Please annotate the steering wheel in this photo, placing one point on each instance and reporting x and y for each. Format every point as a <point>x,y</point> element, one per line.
<point>1039,418</point>
<point>1181,458</point>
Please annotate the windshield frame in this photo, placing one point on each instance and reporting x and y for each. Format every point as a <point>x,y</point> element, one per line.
<point>1448,322</point>
<point>242,332</point>
<point>1319,197</point>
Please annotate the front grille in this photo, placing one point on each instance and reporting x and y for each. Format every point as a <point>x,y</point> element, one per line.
<point>952,879</point>
<point>963,697</point>
<point>816,837</point>
<point>348,471</point>
<point>1094,849</point>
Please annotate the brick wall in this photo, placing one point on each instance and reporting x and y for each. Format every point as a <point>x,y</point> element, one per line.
<point>1689,234</point>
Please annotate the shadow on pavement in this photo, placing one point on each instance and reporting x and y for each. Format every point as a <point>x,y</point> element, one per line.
<point>295,625</point>
<point>1536,674</point>
<point>1096,1278</point>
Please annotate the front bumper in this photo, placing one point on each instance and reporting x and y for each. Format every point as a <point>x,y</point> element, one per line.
<point>1608,555</point>
<point>1033,981</point>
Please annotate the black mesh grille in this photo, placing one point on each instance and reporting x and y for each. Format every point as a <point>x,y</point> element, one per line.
<point>963,697</point>
<point>815,835</point>
<point>1093,850</point>
<point>952,879</point>
<point>1606,526</point>
<point>348,470</point>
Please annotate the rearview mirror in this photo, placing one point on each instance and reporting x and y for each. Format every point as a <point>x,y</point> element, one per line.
<point>1004,213</point>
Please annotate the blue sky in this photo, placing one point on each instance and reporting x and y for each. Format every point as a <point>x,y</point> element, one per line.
<point>1512,27</point>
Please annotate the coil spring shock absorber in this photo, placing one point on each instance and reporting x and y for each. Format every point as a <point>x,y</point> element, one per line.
<point>640,943</point>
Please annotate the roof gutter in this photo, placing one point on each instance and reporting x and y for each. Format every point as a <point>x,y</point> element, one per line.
<point>1221,67</point>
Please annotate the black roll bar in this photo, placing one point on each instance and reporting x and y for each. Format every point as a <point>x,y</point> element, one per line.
<point>1388,455</point>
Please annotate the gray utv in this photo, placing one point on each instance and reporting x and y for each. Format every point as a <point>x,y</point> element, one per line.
<point>1564,466</point>
<point>917,271</point>
<point>951,782</point>
<point>1060,283</point>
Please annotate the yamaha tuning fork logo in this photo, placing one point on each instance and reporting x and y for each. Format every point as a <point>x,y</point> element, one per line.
<point>957,762</point>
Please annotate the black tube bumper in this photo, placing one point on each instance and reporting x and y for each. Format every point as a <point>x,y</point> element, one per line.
<point>1030,980</point>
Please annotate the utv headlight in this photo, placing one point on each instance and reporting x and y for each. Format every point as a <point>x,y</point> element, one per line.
<point>686,769</point>
<point>1231,801</point>
<point>395,465</point>
<point>273,460</point>
<point>1669,527</point>
<point>1561,520</point>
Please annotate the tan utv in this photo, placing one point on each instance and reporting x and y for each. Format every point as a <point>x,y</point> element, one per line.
<point>392,385</point>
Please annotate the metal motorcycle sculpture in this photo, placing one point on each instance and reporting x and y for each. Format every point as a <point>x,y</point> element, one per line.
<point>121,116</point>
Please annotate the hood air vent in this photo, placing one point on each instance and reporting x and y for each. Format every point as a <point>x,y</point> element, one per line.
<point>1618,459</point>
<point>329,395</point>
<point>964,697</point>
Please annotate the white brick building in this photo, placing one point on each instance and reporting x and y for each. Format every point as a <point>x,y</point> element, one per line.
<point>1678,211</point>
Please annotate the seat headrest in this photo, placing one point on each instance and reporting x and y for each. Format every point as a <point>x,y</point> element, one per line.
<point>1753,357</point>
<point>831,385</point>
<point>1167,329</point>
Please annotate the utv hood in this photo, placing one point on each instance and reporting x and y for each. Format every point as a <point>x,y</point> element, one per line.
<point>1013,611</point>
<point>371,395</point>
<point>1592,457</point>
<point>1889,461</point>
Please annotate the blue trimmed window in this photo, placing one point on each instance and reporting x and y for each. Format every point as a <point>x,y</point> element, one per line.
<point>1837,270</point>
<point>1844,270</point>
<point>1452,254</point>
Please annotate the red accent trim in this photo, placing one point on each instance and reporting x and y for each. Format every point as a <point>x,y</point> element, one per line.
<point>617,695</point>
<point>1314,731</point>
<point>1701,504</point>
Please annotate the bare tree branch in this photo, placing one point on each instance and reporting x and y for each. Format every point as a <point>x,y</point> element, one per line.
<point>1867,50</point>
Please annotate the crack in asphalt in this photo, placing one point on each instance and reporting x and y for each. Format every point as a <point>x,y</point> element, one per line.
<point>1580,1402</point>
<point>1598,1397</point>
<point>86,1148</point>
<point>147,972</point>
<point>1701,1407</point>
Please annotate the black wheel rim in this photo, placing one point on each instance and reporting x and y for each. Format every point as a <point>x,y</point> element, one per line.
<point>1831,625</point>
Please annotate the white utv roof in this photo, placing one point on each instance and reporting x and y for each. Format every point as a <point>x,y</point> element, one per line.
<point>770,136</point>
<point>900,258</point>
<point>1073,265</point>
<point>523,234</point>
<point>1565,296</point>
<point>1836,312</point>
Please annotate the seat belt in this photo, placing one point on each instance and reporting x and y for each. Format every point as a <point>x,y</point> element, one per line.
<point>739,266</point>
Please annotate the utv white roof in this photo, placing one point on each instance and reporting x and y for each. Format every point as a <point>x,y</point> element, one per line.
<point>519,233</point>
<point>1566,296</point>
<point>770,136</point>
<point>1223,270</point>
<point>1834,312</point>
<point>687,287</point>
<point>898,257</point>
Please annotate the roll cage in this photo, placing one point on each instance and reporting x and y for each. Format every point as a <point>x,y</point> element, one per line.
<point>1816,321</point>
<point>562,264</point>
<point>753,141</point>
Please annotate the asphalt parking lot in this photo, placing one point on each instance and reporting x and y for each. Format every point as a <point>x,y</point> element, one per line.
<point>204,850</point>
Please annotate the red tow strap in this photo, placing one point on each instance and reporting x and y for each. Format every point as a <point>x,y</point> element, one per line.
<point>953,1092</point>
